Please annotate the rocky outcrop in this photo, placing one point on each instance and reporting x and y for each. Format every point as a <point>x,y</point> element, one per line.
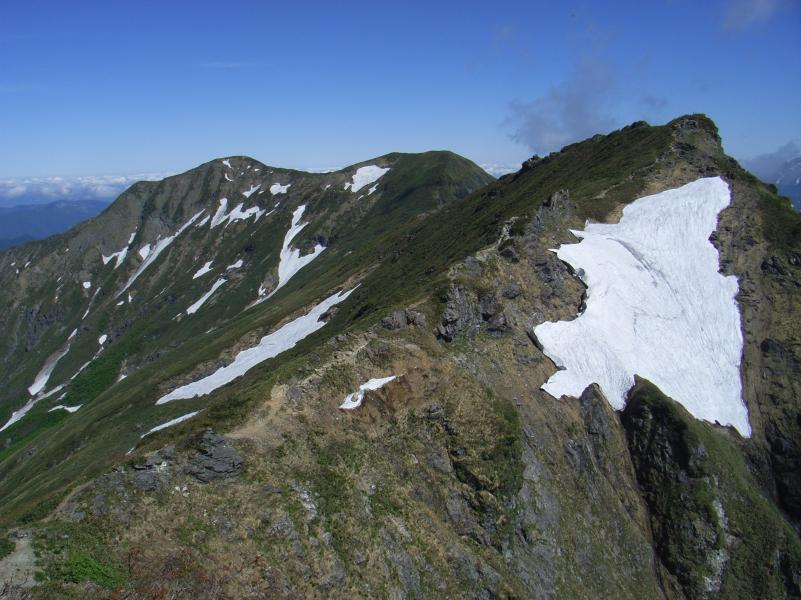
<point>711,526</point>
<point>466,313</point>
<point>400,319</point>
<point>215,459</point>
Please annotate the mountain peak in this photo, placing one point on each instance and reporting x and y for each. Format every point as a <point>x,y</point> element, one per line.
<point>178,375</point>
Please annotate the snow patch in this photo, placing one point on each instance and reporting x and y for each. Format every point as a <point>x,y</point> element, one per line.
<point>226,163</point>
<point>355,399</point>
<point>277,188</point>
<point>249,193</point>
<point>40,381</point>
<point>291,260</point>
<point>194,308</point>
<point>69,409</point>
<point>170,423</point>
<point>87,285</point>
<point>159,247</point>
<point>271,345</point>
<point>102,339</point>
<point>203,270</point>
<point>236,265</point>
<point>120,254</point>
<point>365,176</point>
<point>657,307</point>
<point>18,414</point>
<point>236,214</point>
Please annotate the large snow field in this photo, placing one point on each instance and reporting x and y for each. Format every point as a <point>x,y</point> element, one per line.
<point>656,306</point>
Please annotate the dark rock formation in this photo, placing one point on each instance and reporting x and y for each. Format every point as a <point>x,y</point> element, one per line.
<point>216,459</point>
<point>400,319</point>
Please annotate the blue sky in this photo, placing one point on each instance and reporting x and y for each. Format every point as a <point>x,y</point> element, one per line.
<point>114,87</point>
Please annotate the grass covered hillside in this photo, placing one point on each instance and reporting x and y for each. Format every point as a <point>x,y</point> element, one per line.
<point>459,476</point>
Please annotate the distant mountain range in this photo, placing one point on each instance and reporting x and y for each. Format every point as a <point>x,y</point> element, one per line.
<point>788,181</point>
<point>786,176</point>
<point>20,224</point>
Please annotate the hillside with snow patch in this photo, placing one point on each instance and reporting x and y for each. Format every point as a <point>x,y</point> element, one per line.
<point>656,306</point>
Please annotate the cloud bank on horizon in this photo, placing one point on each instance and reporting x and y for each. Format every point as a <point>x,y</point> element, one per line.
<point>42,190</point>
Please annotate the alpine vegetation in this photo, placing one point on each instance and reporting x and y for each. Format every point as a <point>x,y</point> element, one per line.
<point>578,380</point>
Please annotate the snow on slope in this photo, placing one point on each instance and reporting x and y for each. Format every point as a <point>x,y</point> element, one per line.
<point>354,400</point>
<point>657,306</point>
<point>271,345</point>
<point>170,423</point>
<point>120,254</point>
<point>249,193</point>
<point>236,214</point>
<point>277,188</point>
<point>18,414</point>
<point>291,260</point>
<point>365,176</point>
<point>203,270</point>
<point>40,381</point>
<point>152,254</point>
<point>69,409</point>
<point>194,308</point>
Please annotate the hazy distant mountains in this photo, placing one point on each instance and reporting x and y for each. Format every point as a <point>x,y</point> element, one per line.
<point>20,224</point>
<point>784,174</point>
<point>788,181</point>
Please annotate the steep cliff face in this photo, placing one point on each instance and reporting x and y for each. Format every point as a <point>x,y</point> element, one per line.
<point>713,530</point>
<point>403,446</point>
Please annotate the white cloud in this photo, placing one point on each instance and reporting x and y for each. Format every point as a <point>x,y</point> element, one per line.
<point>570,111</point>
<point>89,187</point>
<point>498,169</point>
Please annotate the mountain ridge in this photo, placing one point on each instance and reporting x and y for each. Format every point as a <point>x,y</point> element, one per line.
<point>458,476</point>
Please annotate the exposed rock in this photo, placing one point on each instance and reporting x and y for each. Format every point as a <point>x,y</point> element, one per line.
<point>216,459</point>
<point>511,291</point>
<point>460,317</point>
<point>147,481</point>
<point>698,496</point>
<point>464,317</point>
<point>498,324</point>
<point>507,251</point>
<point>403,318</point>
<point>402,564</point>
<point>532,162</point>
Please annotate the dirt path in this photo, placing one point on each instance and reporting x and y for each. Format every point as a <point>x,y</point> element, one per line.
<point>19,567</point>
